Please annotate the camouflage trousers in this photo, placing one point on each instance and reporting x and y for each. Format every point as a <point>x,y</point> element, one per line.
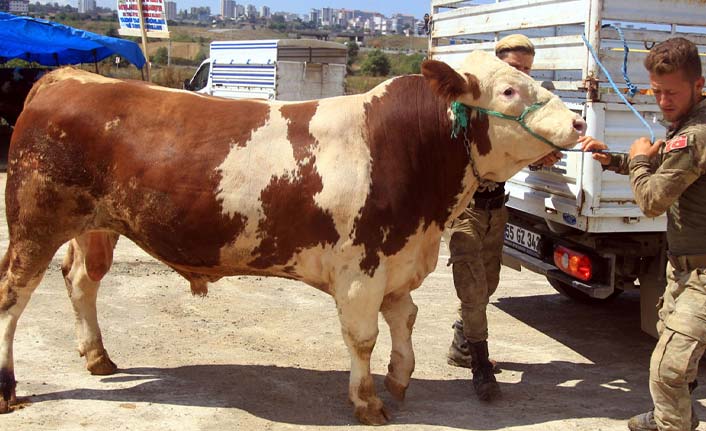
<point>476,247</point>
<point>675,360</point>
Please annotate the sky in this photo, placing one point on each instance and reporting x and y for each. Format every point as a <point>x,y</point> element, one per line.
<point>387,7</point>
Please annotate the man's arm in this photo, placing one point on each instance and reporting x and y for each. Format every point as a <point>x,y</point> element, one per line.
<point>656,190</point>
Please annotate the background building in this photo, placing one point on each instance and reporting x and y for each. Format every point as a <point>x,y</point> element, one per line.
<point>86,6</point>
<point>265,12</point>
<point>228,9</point>
<point>171,9</point>
<point>19,7</point>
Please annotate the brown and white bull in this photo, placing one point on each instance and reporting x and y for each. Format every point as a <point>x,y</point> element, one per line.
<point>349,194</point>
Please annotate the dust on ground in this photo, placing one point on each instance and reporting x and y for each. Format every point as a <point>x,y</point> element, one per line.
<point>267,354</point>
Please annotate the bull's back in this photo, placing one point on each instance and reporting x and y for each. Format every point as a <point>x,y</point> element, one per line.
<point>196,181</point>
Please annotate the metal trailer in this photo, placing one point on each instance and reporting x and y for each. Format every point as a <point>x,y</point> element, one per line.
<point>574,212</point>
<point>284,69</point>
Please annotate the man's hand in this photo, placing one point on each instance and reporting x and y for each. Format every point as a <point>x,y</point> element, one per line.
<point>643,147</point>
<point>589,143</point>
<point>549,160</point>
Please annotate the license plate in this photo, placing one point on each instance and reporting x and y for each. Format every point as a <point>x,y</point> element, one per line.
<point>522,238</point>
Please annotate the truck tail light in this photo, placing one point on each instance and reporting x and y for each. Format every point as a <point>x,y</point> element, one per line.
<point>573,263</point>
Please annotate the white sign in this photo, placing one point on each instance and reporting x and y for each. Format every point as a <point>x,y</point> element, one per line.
<point>153,12</point>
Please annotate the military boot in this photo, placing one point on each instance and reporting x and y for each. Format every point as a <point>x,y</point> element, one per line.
<point>646,422</point>
<point>484,382</point>
<point>459,352</point>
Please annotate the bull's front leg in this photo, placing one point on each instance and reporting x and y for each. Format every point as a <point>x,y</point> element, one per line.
<point>88,259</point>
<point>358,303</point>
<point>400,313</point>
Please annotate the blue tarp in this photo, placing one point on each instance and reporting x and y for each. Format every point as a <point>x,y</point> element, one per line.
<point>52,44</point>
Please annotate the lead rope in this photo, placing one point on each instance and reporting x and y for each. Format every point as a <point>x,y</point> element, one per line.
<point>460,123</point>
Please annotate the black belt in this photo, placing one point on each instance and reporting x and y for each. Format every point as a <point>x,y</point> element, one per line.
<point>490,203</point>
<point>687,262</point>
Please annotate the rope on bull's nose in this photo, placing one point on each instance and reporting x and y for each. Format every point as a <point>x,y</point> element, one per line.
<point>630,85</point>
<point>461,122</point>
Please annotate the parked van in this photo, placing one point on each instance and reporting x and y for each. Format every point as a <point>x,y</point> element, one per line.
<point>283,69</point>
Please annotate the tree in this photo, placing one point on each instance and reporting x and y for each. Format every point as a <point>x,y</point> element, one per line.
<point>352,51</point>
<point>160,57</point>
<point>377,64</point>
<point>112,32</point>
<point>202,55</point>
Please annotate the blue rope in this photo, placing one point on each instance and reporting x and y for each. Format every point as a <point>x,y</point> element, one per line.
<point>615,87</point>
<point>632,88</point>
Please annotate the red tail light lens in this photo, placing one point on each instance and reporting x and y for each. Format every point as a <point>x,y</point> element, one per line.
<point>573,263</point>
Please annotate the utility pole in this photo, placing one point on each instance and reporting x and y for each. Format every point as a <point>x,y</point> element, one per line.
<point>144,39</point>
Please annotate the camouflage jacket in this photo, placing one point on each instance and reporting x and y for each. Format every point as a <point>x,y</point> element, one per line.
<point>674,182</point>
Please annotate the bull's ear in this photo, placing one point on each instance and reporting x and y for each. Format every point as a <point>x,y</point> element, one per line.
<point>447,83</point>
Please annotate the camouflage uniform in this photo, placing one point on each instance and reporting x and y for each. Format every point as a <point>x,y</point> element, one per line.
<point>476,251</point>
<point>677,185</point>
<point>476,247</point>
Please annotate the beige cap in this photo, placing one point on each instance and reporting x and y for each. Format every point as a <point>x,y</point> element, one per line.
<point>514,42</point>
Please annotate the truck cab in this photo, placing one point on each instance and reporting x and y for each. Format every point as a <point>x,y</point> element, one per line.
<point>284,69</point>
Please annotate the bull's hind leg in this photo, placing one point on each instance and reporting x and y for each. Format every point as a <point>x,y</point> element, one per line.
<point>400,313</point>
<point>21,270</point>
<point>88,259</point>
<point>358,304</point>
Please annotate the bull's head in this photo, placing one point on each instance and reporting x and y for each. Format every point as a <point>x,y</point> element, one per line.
<point>514,120</point>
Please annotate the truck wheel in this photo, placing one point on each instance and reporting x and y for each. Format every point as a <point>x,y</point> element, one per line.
<point>579,296</point>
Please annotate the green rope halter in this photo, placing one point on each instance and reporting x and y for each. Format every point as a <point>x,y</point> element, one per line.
<point>461,119</point>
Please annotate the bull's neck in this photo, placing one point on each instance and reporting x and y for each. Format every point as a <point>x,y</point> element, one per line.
<point>410,132</point>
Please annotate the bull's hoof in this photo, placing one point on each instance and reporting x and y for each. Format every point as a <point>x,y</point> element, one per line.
<point>6,405</point>
<point>374,413</point>
<point>395,388</point>
<point>99,363</point>
<point>7,391</point>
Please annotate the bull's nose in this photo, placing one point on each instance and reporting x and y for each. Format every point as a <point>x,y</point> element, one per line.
<point>580,125</point>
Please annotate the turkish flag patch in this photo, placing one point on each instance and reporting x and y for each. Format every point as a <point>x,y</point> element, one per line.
<point>677,143</point>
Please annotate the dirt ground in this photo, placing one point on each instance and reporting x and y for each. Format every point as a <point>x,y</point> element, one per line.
<point>267,354</point>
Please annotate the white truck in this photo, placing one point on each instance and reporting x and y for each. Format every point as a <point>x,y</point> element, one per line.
<point>280,69</point>
<point>574,223</point>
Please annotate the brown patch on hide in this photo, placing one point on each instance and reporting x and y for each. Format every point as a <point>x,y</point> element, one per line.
<point>292,220</point>
<point>479,133</point>
<point>417,168</point>
<point>473,85</point>
<point>153,176</point>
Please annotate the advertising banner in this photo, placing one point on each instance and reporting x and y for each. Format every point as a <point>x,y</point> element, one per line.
<point>153,12</point>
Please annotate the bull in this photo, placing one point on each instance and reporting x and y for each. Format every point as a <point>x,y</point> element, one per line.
<point>349,194</point>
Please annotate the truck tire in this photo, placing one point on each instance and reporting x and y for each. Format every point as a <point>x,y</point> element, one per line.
<point>579,296</point>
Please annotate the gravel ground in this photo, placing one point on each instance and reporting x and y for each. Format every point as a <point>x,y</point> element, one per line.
<point>267,354</point>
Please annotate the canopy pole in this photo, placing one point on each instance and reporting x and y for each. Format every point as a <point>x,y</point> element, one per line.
<point>95,60</point>
<point>144,39</point>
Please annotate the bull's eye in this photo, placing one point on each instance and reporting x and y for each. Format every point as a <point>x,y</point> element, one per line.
<point>509,92</point>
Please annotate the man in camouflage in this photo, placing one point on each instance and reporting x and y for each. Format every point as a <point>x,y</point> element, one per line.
<point>476,252</point>
<point>669,176</point>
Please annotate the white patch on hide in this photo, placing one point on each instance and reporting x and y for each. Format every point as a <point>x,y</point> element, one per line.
<point>248,170</point>
<point>112,124</point>
<point>342,159</point>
